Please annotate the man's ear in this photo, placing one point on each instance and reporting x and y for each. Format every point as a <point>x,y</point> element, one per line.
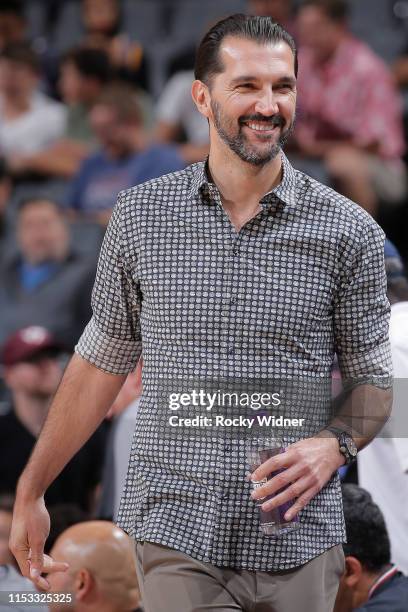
<point>201,96</point>
<point>353,571</point>
<point>83,584</point>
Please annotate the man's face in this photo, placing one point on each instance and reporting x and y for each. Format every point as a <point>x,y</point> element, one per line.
<point>112,134</point>
<point>16,79</point>
<point>253,100</point>
<point>42,235</point>
<point>317,32</point>
<point>38,377</point>
<point>100,16</point>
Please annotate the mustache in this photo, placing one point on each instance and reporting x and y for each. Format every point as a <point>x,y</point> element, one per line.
<point>273,120</point>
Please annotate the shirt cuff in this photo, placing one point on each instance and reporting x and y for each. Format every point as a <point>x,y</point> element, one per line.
<point>113,355</point>
<point>372,367</point>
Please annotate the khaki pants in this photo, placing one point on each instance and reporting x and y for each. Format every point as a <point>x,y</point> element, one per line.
<point>171,581</point>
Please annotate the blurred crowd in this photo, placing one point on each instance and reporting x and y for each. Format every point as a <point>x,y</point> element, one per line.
<point>94,98</point>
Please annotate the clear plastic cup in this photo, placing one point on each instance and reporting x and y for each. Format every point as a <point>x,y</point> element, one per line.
<point>272,522</point>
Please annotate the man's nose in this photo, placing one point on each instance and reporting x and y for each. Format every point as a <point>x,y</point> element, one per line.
<point>267,104</point>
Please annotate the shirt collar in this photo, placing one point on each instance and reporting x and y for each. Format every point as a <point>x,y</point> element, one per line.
<point>199,178</point>
<point>286,191</point>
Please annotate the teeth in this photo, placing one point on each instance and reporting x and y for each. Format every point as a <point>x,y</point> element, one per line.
<point>260,127</point>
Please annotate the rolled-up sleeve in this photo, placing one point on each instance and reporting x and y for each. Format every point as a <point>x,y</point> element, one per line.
<point>112,340</point>
<point>362,310</point>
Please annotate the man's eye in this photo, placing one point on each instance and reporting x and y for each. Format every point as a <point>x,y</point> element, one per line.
<point>246,86</point>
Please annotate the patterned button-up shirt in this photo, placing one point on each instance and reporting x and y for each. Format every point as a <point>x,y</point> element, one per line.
<point>303,279</point>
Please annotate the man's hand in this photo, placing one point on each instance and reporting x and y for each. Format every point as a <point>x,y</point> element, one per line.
<point>308,465</point>
<point>29,531</point>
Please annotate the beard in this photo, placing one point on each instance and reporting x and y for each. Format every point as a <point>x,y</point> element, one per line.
<point>238,142</point>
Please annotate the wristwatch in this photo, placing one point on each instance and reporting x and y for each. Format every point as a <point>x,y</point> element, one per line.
<point>347,446</point>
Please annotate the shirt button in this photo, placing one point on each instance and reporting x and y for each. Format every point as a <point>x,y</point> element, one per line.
<point>235,251</point>
<point>233,300</point>
<point>231,350</point>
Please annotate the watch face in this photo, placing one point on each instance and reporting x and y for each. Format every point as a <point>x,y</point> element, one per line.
<point>351,446</point>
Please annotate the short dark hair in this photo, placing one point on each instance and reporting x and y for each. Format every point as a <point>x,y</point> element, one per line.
<point>22,53</point>
<point>259,29</point>
<point>336,10</point>
<point>92,63</point>
<point>37,199</point>
<point>367,537</point>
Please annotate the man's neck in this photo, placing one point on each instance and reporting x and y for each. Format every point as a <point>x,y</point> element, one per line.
<point>367,582</point>
<point>30,411</point>
<point>239,183</point>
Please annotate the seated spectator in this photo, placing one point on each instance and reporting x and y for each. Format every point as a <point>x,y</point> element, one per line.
<point>178,118</point>
<point>29,120</point>
<point>102,569</point>
<point>84,73</point>
<point>125,157</point>
<point>349,128</point>
<point>102,21</point>
<point>47,282</point>
<point>33,366</point>
<point>370,581</point>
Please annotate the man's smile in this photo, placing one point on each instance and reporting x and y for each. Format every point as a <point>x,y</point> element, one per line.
<point>265,128</point>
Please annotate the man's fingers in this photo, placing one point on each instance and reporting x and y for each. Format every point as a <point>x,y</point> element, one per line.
<point>21,556</point>
<point>300,503</point>
<point>295,490</point>
<point>273,464</point>
<point>281,480</point>
<point>50,566</point>
<point>36,558</point>
<point>42,563</point>
<point>39,581</point>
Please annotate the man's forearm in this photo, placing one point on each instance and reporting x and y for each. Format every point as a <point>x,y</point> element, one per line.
<point>362,412</point>
<point>80,404</point>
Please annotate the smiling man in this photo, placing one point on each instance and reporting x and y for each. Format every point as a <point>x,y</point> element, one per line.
<point>237,268</point>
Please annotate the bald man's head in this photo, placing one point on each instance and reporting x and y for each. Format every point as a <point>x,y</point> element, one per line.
<point>102,572</point>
